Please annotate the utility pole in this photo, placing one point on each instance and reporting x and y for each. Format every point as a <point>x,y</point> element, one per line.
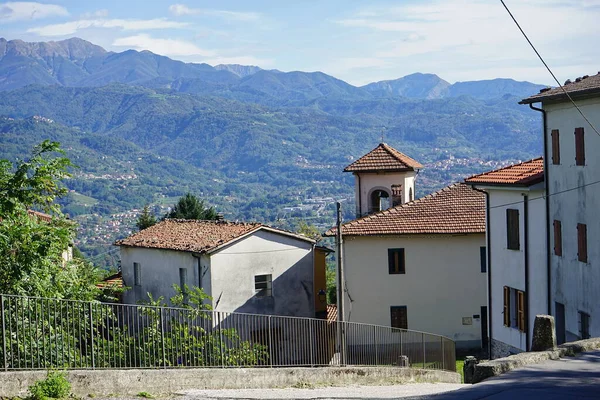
<point>340,286</point>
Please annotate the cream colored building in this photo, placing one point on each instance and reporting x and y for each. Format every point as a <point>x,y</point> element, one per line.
<point>248,268</point>
<point>417,265</point>
<point>517,255</point>
<point>572,173</point>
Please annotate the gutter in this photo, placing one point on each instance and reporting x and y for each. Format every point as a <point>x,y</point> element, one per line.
<point>526,256</point>
<point>546,193</point>
<point>489,266</point>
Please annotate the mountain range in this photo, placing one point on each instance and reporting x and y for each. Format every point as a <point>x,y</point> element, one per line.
<point>258,144</point>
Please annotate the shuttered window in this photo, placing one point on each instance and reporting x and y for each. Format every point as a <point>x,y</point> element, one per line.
<point>521,317</point>
<point>512,229</point>
<point>399,317</point>
<point>137,274</point>
<point>483,259</point>
<point>555,147</point>
<point>506,306</point>
<point>396,261</point>
<point>582,243</point>
<point>557,238</point>
<point>579,147</point>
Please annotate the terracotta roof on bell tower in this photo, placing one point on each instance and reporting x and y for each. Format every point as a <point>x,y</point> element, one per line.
<point>383,158</point>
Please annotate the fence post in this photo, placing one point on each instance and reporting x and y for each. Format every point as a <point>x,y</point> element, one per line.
<point>311,337</point>
<point>5,356</point>
<point>376,345</point>
<point>270,342</point>
<point>443,354</point>
<point>423,343</point>
<point>221,340</point>
<point>91,321</point>
<point>162,337</point>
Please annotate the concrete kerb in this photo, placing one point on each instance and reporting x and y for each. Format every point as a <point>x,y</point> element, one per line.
<point>499,366</point>
<point>170,381</point>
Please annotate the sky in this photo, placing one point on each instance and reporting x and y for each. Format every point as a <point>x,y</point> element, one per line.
<point>356,41</point>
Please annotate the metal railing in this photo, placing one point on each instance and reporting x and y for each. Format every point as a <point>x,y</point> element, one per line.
<point>39,333</point>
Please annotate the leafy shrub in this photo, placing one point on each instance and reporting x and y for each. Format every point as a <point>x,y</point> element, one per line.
<point>55,386</point>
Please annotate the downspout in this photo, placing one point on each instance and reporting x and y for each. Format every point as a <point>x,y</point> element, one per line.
<point>488,250</point>
<point>547,194</point>
<point>526,255</point>
<point>359,197</point>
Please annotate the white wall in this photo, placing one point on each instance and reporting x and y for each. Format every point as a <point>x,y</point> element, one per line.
<point>442,284</point>
<point>288,260</point>
<point>508,266</point>
<point>382,180</point>
<point>159,271</point>
<point>574,283</point>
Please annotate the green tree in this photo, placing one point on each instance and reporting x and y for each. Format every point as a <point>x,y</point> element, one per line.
<point>309,230</point>
<point>191,207</point>
<point>31,247</point>
<point>146,219</point>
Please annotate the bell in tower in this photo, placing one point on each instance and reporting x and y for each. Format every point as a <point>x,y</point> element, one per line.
<point>384,178</point>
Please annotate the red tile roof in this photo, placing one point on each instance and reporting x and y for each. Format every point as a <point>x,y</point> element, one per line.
<point>383,158</point>
<point>113,281</point>
<point>524,174</point>
<point>194,235</point>
<point>457,208</point>
<point>584,86</point>
<point>40,215</point>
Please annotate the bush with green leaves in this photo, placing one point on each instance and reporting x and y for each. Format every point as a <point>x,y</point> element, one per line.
<point>54,386</point>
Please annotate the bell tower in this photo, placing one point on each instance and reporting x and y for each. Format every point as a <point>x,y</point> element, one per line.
<point>383,178</point>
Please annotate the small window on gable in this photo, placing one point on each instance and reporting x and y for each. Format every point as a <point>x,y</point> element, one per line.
<point>396,261</point>
<point>579,147</point>
<point>483,259</point>
<point>263,285</point>
<point>399,317</point>
<point>555,146</point>
<point>557,238</point>
<point>512,229</point>
<point>582,243</point>
<point>137,274</point>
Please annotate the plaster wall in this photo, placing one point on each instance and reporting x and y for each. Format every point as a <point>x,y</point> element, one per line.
<point>508,266</point>
<point>381,180</point>
<point>443,283</point>
<point>287,259</point>
<point>159,271</point>
<point>574,283</point>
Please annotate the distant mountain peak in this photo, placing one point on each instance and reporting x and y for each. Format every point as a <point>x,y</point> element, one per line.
<point>238,69</point>
<point>418,85</point>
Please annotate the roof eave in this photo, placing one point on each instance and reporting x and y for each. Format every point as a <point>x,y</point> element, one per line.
<point>561,96</point>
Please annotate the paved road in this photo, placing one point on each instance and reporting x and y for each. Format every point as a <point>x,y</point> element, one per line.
<point>568,378</point>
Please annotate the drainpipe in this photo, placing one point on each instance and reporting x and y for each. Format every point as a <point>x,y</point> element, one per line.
<point>488,250</point>
<point>526,255</point>
<point>546,192</point>
<point>359,198</point>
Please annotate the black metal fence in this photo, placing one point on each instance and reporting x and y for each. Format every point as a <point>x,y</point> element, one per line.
<point>39,333</point>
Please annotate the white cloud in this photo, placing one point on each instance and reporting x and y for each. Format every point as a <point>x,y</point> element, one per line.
<point>182,9</point>
<point>166,47</point>
<point>16,11</point>
<point>103,13</point>
<point>69,28</point>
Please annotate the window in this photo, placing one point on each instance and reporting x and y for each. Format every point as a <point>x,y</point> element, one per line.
<point>506,311</point>
<point>410,194</point>
<point>137,274</point>
<point>521,316</point>
<point>380,200</point>
<point>512,229</point>
<point>557,238</point>
<point>555,147</point>
<point>263,285</point>
<point>582,243</point>
<point>483,259</point>
<point>399,317</point>
<point>182,277</point>
<point>396,261</point>
<point>396,195</point>
<point>579,147</point>
<point>584,325</point>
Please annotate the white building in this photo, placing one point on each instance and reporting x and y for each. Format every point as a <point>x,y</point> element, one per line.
<point>572,173</point>
<point>244,267</point>
<point>517,256</point>
<point>416,265</point>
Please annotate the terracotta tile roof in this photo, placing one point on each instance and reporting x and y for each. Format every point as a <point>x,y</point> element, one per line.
<point>524,174</point>
<point>113,281</point>
<point>188,235</point>
<point>331,312</point>
<point>586,85</point>
<point>194,235</point>
<point>40,215</point>
<point>457,208</point>
<point>383,158</point>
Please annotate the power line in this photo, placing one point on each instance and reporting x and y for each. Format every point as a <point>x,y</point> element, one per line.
<point>549,70</point>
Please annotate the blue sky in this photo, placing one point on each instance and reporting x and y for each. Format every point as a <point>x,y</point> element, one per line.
<point>357,41</point>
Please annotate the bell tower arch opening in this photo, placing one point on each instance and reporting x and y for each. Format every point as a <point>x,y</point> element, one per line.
<point>379,200</point>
